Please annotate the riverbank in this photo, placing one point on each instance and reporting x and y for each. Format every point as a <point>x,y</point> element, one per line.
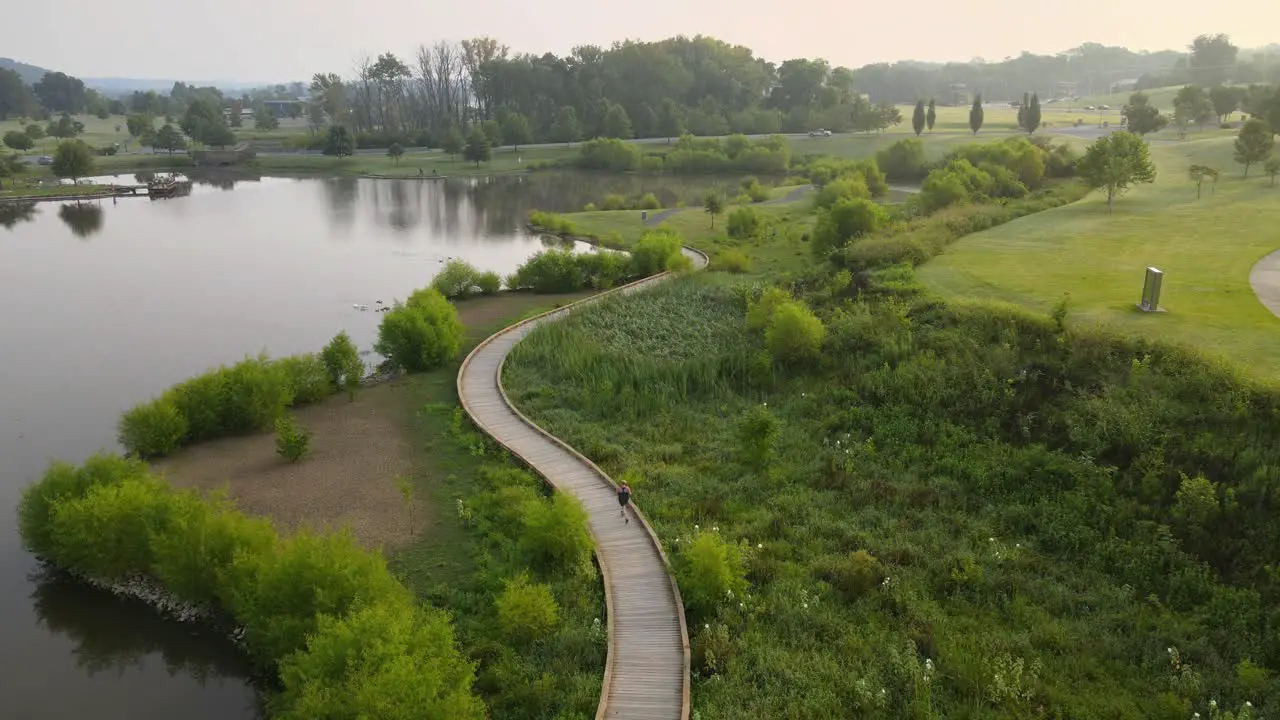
<point>55,192</point>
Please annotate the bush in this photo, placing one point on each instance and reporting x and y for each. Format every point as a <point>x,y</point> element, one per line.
<point>732,261</point>
<point>608,154</point>
<point>457,281</point>
<point>845,188</point>
<point>848,220</point>
<point>555,533</point>
<point>552,223</point>
<point>107,532</point>
<point>342,362</point>
<point>649,201</point>
<point>423,334</point>
<point>795,334</point>
<point>390,660</point>
<point>752,188</point>
<point>604,269</point>
<point>255,392</point>
<point>678,262</point>
<point>63,483</point>
<point>857,575</point>
<point>744,223</point>
<point>526,611</point>
<point>710,573</point>
<point>292,439</point>
<point>489,283</point>
<point>551,271</point>
<point>613,202</point>
<point>194,559</point>
<point>282,594</point>
<point>903,161</point>
<point>153,429</point>
<point>308,378</point>
<point>757,434</point>
<point>651,253</point>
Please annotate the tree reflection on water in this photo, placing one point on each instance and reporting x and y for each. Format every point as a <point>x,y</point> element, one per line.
<point>13,213</point>
<point>84,219</point>
<point>117,634</point>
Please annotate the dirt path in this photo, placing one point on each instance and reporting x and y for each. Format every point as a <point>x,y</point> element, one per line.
<point>1264,278</point>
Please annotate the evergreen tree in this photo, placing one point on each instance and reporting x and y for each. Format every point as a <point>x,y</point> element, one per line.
<point>1033,114</point>
<point>976,114</point>
<point>932,116</point>
<point>918,118</point>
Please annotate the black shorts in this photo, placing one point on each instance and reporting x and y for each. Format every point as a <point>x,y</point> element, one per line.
<point>623,499</point>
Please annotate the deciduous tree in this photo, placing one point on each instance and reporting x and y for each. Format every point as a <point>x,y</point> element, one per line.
<point>1200,173</point>
<point>72,159</point>
<point>1116,162</point>
<point>1141,117</point>
<point>516,130</point>
<point>713,204</point>
<point>671,121</point>
<point>1191,105</point>
<point>1225,100</point>
<point>566,128</point>
<point>617,124</point>
<point>1272,168</point>
<point>395,152</point>
<point>1253,144</point>
<point>452,142</point>
<point>168,138</point>
<point>340,142</point>
<point>1213,59</point>
<point>18,140</point>
<point>478,149</point>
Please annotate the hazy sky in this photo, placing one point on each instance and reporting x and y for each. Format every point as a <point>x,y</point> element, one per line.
<point>292,39</point>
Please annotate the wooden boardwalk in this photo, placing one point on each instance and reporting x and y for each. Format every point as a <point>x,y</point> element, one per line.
<point>646,674</point>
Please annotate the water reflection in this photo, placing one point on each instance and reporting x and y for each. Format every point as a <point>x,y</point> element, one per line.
<point>84,219</point>
<point>341,194</point>
<point>112,634</point>
<point>13,213</point>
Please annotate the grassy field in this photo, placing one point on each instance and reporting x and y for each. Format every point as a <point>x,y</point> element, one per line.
<point>1206,248</point>
<point>97,133</point>
<point>50,191</point>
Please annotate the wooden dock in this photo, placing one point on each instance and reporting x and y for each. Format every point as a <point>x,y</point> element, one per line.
<point>646,674</point>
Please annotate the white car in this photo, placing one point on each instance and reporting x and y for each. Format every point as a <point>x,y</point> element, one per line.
<point>819,133</point>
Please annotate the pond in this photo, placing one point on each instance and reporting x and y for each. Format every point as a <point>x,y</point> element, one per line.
<point>107,303</point>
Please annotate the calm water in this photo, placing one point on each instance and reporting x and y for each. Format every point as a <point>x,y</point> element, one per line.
<point>105,304</point>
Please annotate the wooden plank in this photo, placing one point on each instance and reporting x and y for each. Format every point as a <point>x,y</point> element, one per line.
<point>646,673</point>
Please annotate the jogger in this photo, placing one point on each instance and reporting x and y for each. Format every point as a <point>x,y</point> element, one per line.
<point>624,499</point>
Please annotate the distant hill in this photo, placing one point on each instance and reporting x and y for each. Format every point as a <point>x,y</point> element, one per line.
<point>29,73</point>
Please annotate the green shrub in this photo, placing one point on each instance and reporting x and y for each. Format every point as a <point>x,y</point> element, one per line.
<point>847,220</point>
<point>527,611</point>
<point>752,188</point>
<point>757,435</point>
<point>556,534</point>
<point>760,311</point>
<point>457,281</point>
<point>650,255</point>
<point>292,439</point>
<point>284,593</point>
<point>551,271</point>
<point>153,429</point>
<point>200,399</point>
<point>857,575</point>
<point>848,187</point>
<point>422,334</point>
<point>254,394</point>
<point>649,201</point>
<point>589,207</point>
<point>732,261</point>
<point>308,378</point>
<point>795,334</point>
<point>710,574</point>
<point>678,262</point>
<point>62,483</point>
<point>489,283</point>
<point>744,223</point>
<point>390,660</point>
<point>194,559</point>
<point>107,532</point>
<point>903,161</point>
<point>604,269</point>
<point>552,223</point>
<point>608,154</point>
<point>342,362</point>
<point>613,202</point>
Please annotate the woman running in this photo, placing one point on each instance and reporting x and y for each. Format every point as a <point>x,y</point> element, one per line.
<point>624,498</point>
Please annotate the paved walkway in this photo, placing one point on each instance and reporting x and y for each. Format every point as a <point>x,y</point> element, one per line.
<point>646,675</point>
<point>1264,278</point>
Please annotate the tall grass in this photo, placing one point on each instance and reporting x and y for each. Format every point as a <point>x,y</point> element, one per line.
<point>966,511</point>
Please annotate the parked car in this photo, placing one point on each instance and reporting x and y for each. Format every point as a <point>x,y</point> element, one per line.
<point>44,160</point>
<point>819,133</point>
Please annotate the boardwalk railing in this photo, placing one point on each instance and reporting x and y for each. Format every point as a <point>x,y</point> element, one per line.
<point>646,674</point>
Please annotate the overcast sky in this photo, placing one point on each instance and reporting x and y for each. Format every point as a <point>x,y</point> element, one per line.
<point>274,40</point>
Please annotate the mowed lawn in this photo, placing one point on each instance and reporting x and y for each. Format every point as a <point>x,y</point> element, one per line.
<point>1205,247</point>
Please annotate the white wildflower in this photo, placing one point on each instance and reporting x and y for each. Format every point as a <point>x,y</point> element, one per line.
<point>759,546</point>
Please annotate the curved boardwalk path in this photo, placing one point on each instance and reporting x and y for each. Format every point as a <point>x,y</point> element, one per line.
<point>1264,278</point>
<point>646,673</point>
